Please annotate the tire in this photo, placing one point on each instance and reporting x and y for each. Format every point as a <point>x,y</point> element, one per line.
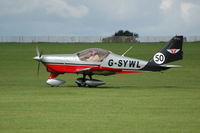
<point>81,85</point>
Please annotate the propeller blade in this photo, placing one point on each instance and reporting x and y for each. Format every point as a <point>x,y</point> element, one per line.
<point>38,69</point>
<point>38,51</point>
<point>39,59</point>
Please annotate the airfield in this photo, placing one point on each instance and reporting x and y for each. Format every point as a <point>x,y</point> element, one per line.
<point>151,102</point>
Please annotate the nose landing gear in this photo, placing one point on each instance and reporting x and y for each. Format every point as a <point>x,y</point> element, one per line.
<point>54,82</point>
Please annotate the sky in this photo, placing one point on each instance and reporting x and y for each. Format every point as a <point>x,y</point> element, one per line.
<point>99,17</point>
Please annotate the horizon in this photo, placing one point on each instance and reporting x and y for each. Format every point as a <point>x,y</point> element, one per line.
<point>99,18</point>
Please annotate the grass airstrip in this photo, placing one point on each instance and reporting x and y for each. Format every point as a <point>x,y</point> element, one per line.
<point>152,102</point>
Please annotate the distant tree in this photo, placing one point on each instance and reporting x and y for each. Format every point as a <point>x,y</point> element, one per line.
<point>122,36</point>
<point>136,35</point>
<point>119,33</point>
<point>126,33</point>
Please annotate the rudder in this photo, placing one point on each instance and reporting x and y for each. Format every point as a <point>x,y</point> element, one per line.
<point>172,51</point>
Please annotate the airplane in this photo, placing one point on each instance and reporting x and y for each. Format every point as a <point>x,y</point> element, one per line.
<point>97,61</point>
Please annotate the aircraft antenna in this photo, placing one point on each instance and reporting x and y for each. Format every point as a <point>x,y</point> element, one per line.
<point>127,50</point>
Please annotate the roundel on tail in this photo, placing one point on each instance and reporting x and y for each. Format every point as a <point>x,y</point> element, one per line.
<point>159,58</point>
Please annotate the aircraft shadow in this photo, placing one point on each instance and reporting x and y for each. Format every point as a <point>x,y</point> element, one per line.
<point>123,87</point>
<point>101,87</point>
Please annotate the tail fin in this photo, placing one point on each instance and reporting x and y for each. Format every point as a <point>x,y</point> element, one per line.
<point>172,51</point>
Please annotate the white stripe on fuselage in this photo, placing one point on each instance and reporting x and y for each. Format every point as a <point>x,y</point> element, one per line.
<point>116,61</point>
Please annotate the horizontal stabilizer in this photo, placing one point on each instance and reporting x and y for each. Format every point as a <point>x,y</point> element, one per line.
<point>171,66</point>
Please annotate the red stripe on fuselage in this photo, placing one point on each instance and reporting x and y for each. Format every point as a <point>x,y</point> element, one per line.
<point>128,71</point>
<point>64,68</point>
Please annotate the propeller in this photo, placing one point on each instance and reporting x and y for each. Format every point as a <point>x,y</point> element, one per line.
<point>38,58</point>
<point>38,51</point>
<point>38,69</point>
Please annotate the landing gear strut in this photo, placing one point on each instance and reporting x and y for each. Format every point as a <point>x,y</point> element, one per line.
<point>82,82</point>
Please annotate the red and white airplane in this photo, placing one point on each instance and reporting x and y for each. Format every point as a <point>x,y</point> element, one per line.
<point>97,61</point>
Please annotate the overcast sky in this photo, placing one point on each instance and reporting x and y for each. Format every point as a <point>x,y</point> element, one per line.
<point>99,17</point>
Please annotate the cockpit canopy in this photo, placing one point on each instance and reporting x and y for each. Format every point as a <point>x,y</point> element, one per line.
<point>93,55</point>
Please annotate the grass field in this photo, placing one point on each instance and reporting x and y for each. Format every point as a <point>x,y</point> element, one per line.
<point>153,102</point>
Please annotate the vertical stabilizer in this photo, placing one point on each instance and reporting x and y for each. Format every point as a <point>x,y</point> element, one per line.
<point>172,51</point>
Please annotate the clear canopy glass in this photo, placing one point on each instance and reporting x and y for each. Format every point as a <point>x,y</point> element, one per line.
<point>93,55</point>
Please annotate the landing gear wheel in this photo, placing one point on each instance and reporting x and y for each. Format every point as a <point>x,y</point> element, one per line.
<point>55,82</point>
<point>80,82</point>
<point>81,85</point>
<point>83,82</point>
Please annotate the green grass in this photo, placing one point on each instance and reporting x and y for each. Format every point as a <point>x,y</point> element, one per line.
<point>151,102</point>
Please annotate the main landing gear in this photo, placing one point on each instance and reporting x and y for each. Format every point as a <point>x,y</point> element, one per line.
<point>82,82</point>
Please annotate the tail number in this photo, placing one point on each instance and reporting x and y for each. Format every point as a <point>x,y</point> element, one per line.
<point>159,58</point>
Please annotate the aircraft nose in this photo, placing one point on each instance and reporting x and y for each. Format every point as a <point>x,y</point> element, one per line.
<point>37,58</point>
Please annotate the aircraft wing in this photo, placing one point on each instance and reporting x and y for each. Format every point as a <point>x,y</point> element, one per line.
<point>99,71</point>
<point>82,71</point>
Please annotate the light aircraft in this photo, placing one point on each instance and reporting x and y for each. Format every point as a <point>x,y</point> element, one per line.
<point>97,61</point>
